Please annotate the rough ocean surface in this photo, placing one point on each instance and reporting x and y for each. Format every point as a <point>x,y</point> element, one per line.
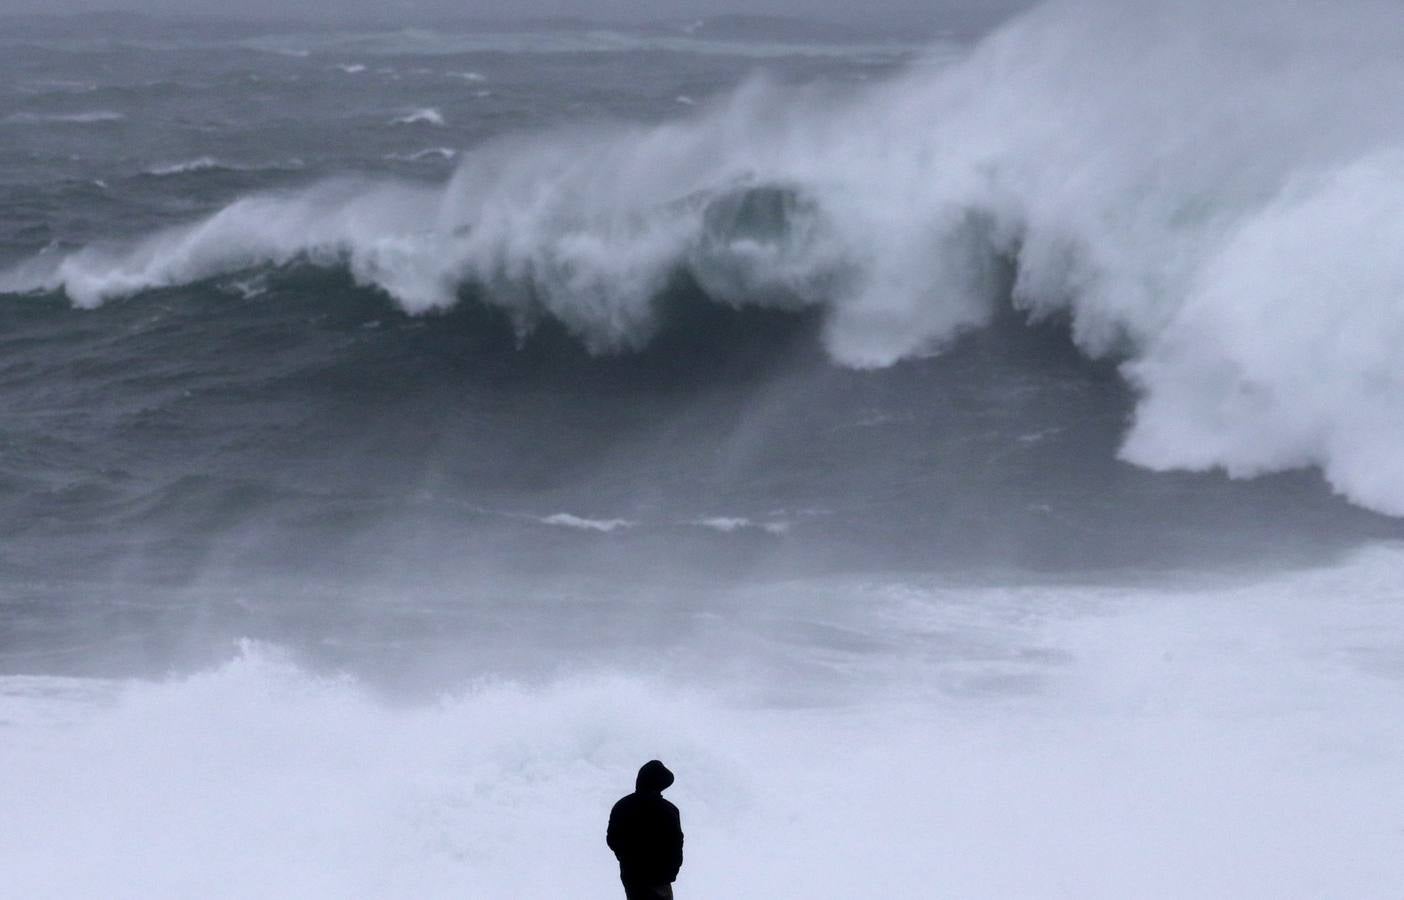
<point>971,466</point>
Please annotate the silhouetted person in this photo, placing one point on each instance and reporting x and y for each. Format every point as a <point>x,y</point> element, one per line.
<point>646,835</point>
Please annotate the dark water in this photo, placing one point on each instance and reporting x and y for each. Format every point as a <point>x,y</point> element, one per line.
<point>257,455</point>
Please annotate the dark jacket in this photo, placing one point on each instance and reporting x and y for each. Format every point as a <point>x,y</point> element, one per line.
<point>644,830</point>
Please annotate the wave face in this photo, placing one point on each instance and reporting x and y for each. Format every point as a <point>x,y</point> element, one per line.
<point>1206,195</point>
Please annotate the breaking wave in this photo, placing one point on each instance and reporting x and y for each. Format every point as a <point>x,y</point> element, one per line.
<point>1211,195</point>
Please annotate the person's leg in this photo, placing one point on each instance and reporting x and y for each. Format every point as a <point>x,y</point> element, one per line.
<point>634,890</point>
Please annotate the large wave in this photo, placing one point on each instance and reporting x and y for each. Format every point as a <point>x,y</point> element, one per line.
<point>1211,194</point>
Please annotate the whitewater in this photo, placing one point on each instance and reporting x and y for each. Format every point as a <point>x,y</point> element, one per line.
<point>971,467</point>
<point>1234,740</point>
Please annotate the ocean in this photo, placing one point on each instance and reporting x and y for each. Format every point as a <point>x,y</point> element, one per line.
<point>971,463</point>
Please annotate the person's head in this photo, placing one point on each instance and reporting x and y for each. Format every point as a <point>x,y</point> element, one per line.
<point>654,778</point>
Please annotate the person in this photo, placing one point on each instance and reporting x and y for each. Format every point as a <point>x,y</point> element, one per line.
<point>646,836</point>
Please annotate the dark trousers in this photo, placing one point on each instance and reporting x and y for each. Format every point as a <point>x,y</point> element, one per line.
<point>637,890</point>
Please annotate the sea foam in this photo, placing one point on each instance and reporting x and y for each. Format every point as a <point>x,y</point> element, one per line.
<point>568,520</point>
<point>91,117</point>
<point>1004,742</point>
<point>426,116</point>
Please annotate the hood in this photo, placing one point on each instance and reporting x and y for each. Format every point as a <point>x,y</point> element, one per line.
<point>653,778</point>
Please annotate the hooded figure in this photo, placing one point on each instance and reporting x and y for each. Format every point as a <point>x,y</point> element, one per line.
<point>646,835</point>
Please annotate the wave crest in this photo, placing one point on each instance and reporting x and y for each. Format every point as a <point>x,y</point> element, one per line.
<point>1223,219</point>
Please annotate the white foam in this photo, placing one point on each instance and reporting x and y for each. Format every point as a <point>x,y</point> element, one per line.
<point>77,118</point>
<point>725,523</point>
<point>214,164</point>
<point>427,153</point>
<point>425,116</point>
<point>1224,217</point>
<point>351,68</point>
<point>1038,437</point>
<point>199,164</point>
<point>729,524</point>
<point>567,520</point>
<point>1228,741</point>
<point>248,288</point>
<point>57,85</point>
